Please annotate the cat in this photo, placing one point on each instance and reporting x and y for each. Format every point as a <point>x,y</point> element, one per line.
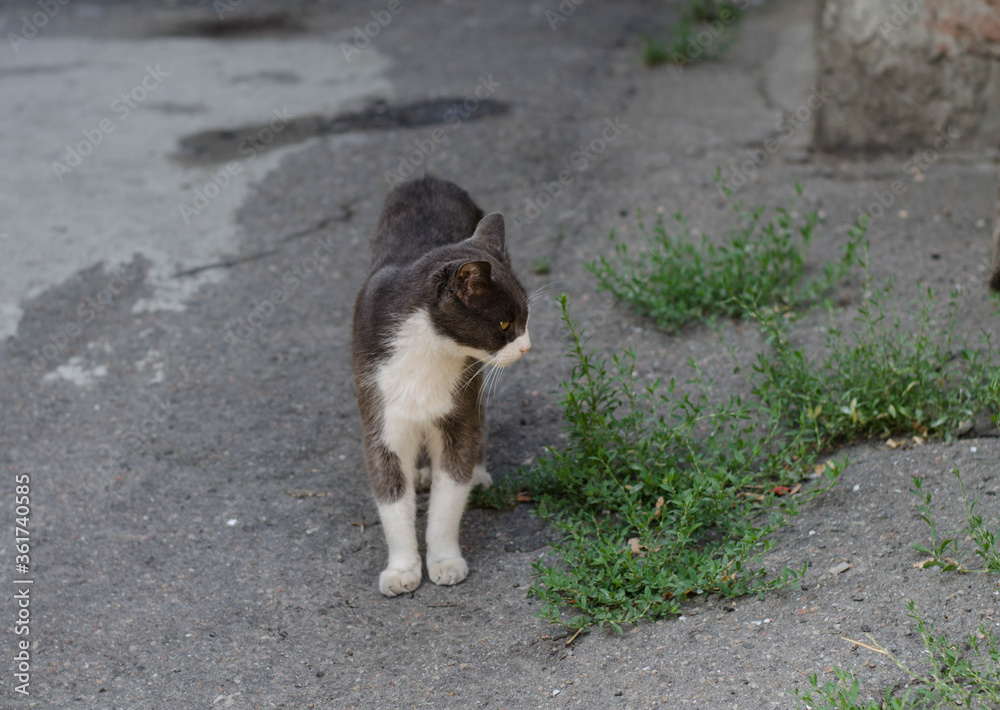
<point>440,305</point>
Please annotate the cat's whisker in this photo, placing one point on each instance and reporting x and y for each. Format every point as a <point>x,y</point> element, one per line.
<point>484,392</point>
<point>544,290</point>
<point>496,382</point>
<point>542,297</point>
<point>541,293</point>
<point>545,287</point>
<point>474,363</point>
<point>483,364</point>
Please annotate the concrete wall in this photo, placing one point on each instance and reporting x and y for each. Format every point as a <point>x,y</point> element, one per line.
<point>903,74</point>
<point>995,281</point>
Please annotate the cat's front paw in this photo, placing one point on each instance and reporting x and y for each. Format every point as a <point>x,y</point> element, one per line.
<point>447,572</point>
<point>481,477</point>
<point>398,581</point>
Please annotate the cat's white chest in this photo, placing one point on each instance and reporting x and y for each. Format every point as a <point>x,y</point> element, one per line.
<point>418,381</point>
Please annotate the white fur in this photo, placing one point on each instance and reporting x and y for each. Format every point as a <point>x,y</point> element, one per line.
<point>512,351</point>
<point>417,384</point>
<point>481,477</point>
<point>402,572</point>
<point>445,564</point>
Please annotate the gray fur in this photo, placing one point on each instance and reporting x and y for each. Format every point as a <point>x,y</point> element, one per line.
<point>425,256</point>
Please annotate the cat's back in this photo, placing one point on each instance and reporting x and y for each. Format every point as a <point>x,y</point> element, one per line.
<point>420,215</point>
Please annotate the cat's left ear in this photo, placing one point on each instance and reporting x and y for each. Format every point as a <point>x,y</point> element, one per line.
<point>490,233</point>
<point>471,279</point>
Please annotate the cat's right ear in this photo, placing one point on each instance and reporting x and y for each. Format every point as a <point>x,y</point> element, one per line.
<point>491,234</point>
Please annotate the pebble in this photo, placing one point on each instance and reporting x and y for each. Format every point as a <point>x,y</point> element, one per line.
<point>838,568</point>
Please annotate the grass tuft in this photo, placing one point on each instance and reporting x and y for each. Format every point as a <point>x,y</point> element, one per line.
<point>762,263</point>
<point>658,496</point>
<point>662,494</point>
<point>958,675</point>
<point>706,30</point>
<point>888,377</point>
<point>945,553</point>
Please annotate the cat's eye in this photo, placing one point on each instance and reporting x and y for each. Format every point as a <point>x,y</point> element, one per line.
<point>504,325</point>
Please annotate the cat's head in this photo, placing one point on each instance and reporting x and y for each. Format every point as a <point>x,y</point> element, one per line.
<point>479,303</point>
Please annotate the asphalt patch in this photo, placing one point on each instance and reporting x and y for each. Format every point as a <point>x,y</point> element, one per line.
<point>220,145</point>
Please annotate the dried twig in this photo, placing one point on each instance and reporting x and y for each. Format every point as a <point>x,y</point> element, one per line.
<point>876,649</point>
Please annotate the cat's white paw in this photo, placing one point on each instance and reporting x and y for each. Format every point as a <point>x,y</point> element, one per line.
<point>481,477</point>
<point>398,581</point>
<point>423,479</point>
<point>450,571</point>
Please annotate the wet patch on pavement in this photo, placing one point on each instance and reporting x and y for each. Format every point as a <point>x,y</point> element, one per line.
<point>219,145</point>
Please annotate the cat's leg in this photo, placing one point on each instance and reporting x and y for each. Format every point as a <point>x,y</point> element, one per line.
<point>402,571</point>
<point>455,448</point>
<point>397,509</point>
<point>479,474</point>
<point>423,478</point>
<point>445,564</point>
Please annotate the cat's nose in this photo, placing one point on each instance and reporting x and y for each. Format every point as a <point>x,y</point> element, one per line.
<point>526,345</point>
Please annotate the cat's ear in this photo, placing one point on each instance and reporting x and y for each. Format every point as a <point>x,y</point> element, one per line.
<point>471,279</point>
<point>490,233</point>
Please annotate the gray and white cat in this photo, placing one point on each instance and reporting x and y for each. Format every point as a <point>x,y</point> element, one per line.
<point>440,306</point>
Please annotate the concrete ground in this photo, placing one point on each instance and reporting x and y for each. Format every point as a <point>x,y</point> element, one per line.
<point>200,530</point>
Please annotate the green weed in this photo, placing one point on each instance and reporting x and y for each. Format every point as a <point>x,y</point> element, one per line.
<point>502,495</point>
<point>542,266</point>
<point>661,495</point>
<point>658,496</point>
<point>706,29</point>
<point>946,553</point>
<point>677,282</point>
<point>886,378</point>
<point>664,492</point>
<point>959,675</point>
